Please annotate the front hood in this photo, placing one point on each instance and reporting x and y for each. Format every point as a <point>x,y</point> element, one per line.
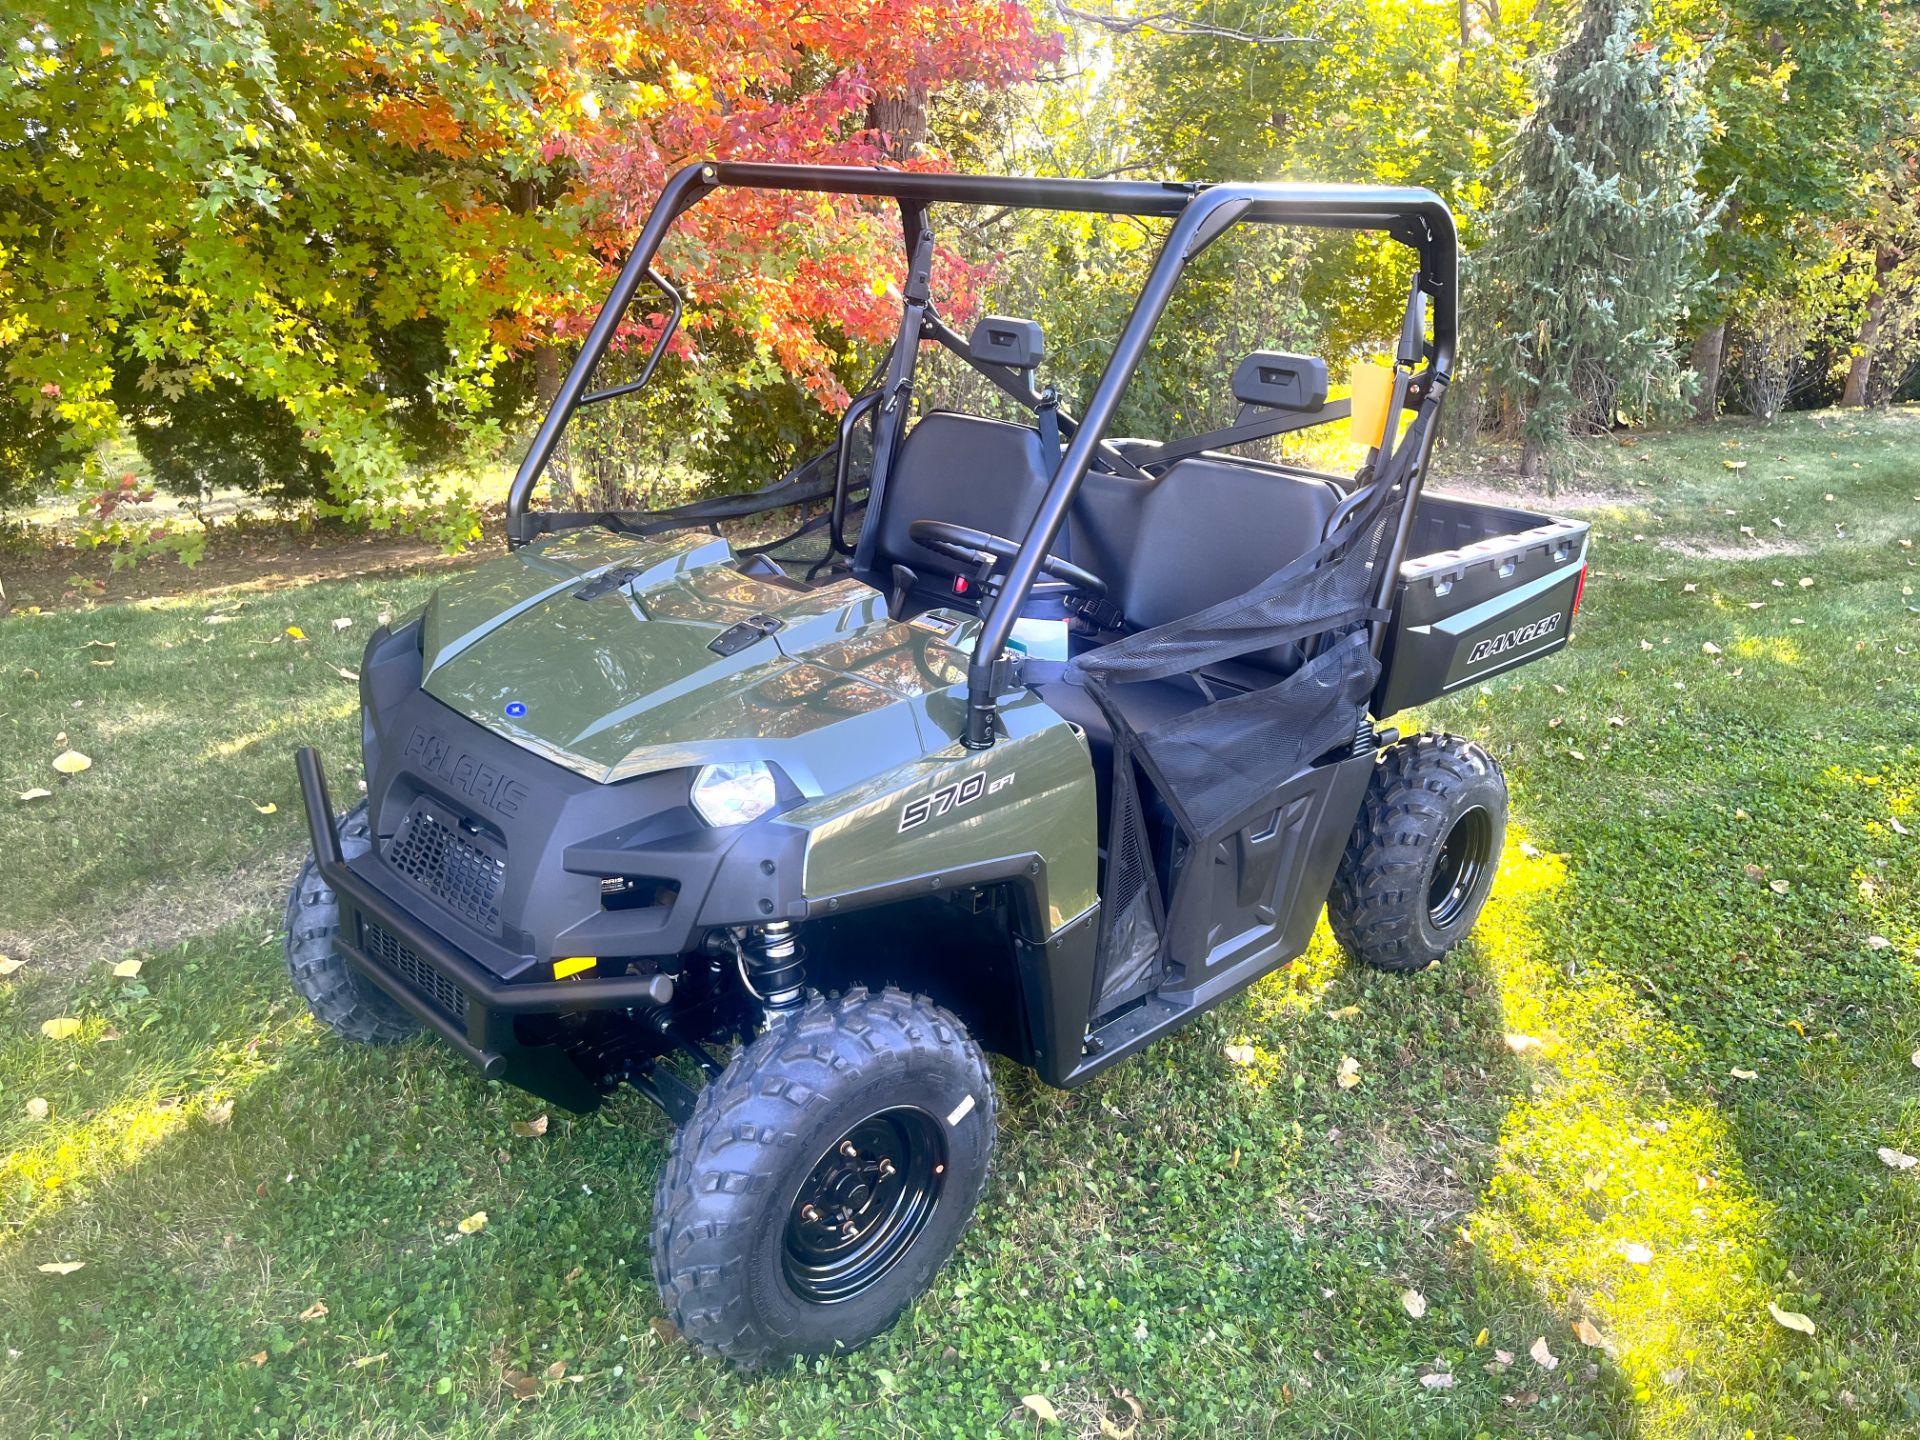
<point>623,681</point>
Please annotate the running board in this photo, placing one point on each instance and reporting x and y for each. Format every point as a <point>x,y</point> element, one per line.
<point>1165,1010</point>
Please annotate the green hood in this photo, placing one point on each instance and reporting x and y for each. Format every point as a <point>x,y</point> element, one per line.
<point>625,682</point>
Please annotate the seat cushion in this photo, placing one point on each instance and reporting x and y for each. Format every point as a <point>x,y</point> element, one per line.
<point>1210,528</point>
<point>964,469</point>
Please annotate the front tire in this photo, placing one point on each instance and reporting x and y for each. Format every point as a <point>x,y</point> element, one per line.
<point>340,999</point>
<point>1422,855</point>
<point>823,1178</point>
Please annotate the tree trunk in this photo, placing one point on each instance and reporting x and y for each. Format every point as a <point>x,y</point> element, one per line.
<point>1709,355</point>
<point>1861,370</point>
<point>902,119</point>
<point>547,370</point>
<point>1532,459</point>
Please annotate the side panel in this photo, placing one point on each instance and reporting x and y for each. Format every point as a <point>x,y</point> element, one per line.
<point>1031,794</point>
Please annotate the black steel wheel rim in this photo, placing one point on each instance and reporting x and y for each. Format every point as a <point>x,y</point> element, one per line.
<point>863,1205</point>
<point>1464,857</point>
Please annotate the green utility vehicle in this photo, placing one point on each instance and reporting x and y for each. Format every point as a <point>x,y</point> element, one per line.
<point>1061,739</point>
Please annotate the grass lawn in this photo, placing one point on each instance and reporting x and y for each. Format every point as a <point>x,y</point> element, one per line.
<point>1643,1104</point>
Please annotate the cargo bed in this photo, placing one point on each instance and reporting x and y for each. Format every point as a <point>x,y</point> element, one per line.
<point>1485,588</point>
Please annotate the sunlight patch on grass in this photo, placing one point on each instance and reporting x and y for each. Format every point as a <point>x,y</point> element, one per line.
<point>300,718</point>
<point>1775,648</point>
<point>37,1179</point>
<point>1618,1201</point>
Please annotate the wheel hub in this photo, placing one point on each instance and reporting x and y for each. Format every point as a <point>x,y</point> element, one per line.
<point>1464,857</point>
<point>864,1204</point>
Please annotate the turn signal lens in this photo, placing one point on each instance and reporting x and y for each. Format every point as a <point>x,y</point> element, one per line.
<point>734,793</point>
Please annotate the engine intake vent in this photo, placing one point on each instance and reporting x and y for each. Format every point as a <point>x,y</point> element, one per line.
<point>461,868</point>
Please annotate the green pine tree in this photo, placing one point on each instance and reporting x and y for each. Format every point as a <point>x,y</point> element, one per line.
<point>1593,241</point>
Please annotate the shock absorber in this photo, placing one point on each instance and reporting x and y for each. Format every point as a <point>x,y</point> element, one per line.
<point>774,965</point>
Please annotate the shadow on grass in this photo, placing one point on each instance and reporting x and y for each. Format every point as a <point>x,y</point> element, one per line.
<point>1218,1229</point>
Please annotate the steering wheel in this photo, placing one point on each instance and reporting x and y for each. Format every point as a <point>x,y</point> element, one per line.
<point>990,553</point>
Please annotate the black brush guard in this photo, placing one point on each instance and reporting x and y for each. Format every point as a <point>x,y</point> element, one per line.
<point>487,1038</point>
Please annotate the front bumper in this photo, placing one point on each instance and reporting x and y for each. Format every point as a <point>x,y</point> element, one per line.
<point>468,1008</point>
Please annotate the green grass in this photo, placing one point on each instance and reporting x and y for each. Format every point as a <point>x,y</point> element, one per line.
<point>1227,1243</point>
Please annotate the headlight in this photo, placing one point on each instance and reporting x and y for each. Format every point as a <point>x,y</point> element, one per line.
<point>733,794</point>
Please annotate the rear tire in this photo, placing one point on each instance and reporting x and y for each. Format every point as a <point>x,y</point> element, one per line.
<point>350,1006</point>
<point>823,1178</point>
<point>1423,854</point>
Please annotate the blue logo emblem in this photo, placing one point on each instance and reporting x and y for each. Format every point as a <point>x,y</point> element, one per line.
<point>515,709</point>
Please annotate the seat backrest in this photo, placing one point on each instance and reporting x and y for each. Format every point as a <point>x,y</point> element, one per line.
<point>966,470</point>
<point>1209,529</point>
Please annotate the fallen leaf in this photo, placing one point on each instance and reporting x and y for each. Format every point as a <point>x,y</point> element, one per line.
<point>1780,887</point>
<point>1636,1253</point>
<point>1707,647</point>
<point>1481,1338</point>
<point>8,964</point>
<point>63,1028</point>
<point>1349,1075</point>
<point>267,809</point>
<point>126,969</point>
<point>1740,1074</point>
<point>1041,1406</point>
<point>1588,1333</point>
<point>71,762</point>
<point>1878,942</point>
<point>1530,850</point>
<point>100,645</point>
<point>1688,588</point>
<point>1521,1044</point>
<point>1520,1400</point>
<point>259,1358</point>
<point>294,632</point>
<point>1240,1054</point>
<point>1345,1012</point>
<point>527,1129</point>
<point>219,1112</point>
<point>523,1386</point>
<point>366,1360</point>
<point>343,623</point>
<point>1734,464</point>
<point>557,1370</point>
<point>38,1109</point>
<point>346,674</point>
<point>1792,1319</point>
<point>314,1311</point>
<point>1757,874</point>
<point>1441,1381</point>
<point>1502,1359</point>
<point>102,664</point>
<point>663,1330</point>
<point>1542,1356</point>
<point>1892,821</point>
<point>474,1223</point>
<point>62,1267</point>
<point>1891,1158</point>
<point>37,793</point>
<point>1413,1302</point>
<point>1806,582</point>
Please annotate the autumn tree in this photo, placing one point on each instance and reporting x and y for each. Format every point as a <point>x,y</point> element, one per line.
<point>330,233</point>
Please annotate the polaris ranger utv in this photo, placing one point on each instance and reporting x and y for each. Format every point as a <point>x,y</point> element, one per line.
<point>638,797</point>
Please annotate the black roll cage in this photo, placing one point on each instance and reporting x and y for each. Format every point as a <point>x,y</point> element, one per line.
<point>1201,212</point>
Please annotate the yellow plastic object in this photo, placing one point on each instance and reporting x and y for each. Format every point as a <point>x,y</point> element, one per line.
<point>1372,398</point>
<point>573,965</point>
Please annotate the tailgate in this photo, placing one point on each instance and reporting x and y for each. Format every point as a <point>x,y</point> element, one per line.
<point>1485,588</point>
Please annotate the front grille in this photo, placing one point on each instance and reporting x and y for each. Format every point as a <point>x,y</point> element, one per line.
<point>460,869</point>
<point>418,976</point>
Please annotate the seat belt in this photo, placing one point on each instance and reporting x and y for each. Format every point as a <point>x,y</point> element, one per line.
<point>1263,427</point>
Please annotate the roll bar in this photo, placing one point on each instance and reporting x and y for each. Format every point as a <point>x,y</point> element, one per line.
<point>1201,212</point>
